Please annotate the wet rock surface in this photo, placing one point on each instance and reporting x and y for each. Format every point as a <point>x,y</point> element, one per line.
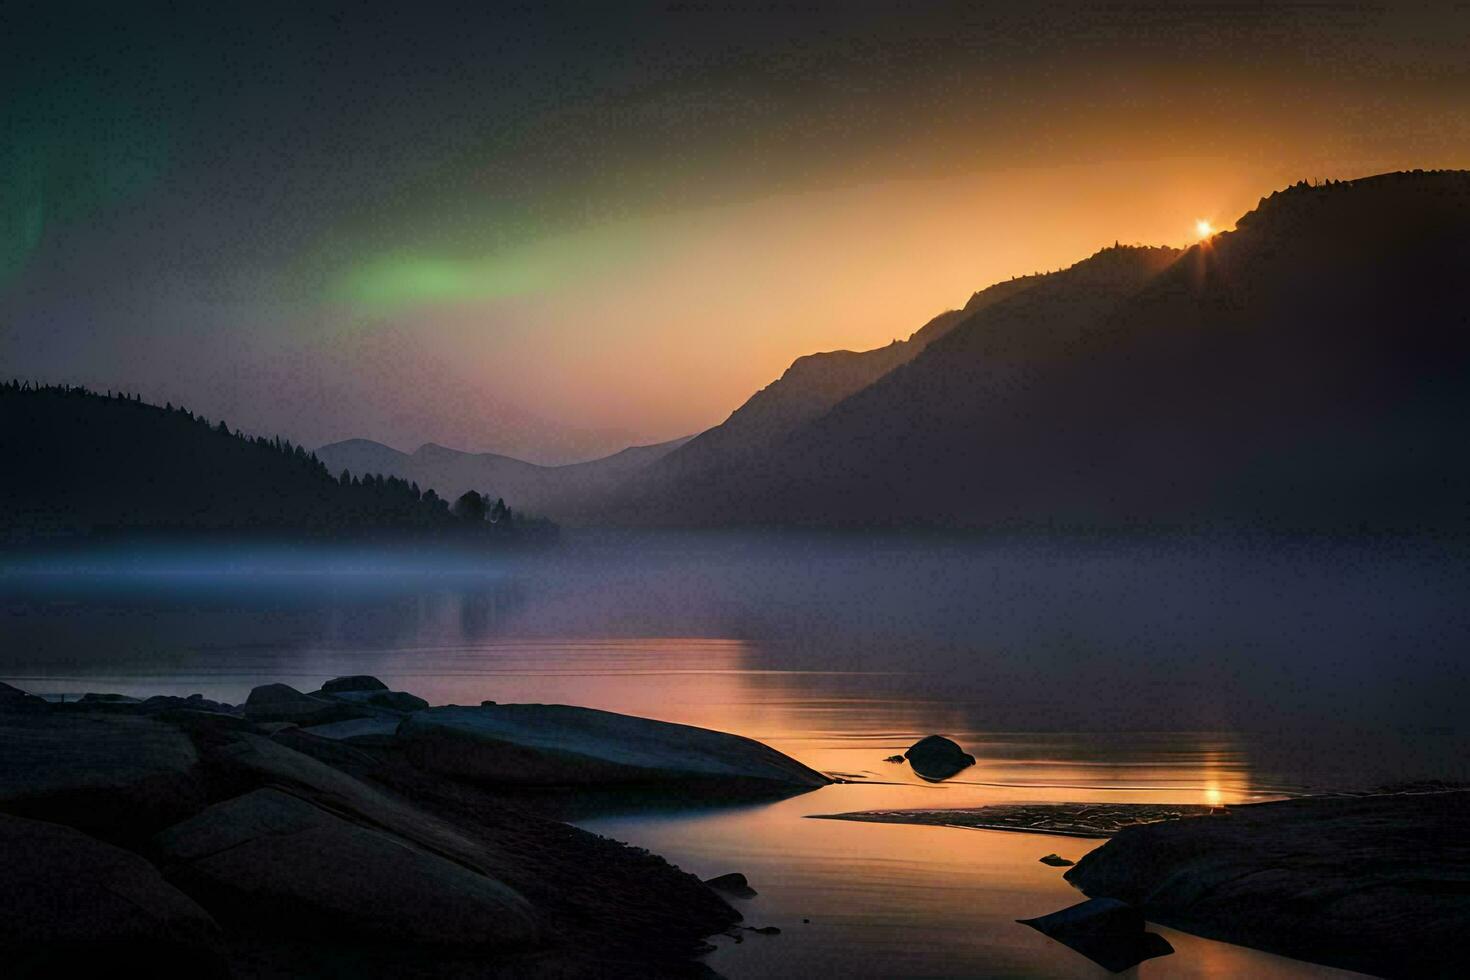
<point>1378,884</point>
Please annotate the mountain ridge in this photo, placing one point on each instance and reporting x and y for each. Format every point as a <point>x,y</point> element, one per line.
<point>1227,386</point>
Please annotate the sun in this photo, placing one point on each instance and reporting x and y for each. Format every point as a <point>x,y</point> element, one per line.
<point>1203,228</point>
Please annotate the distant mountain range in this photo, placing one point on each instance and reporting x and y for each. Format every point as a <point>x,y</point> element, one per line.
<point>531,488</point>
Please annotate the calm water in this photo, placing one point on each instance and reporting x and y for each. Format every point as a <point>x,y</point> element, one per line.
<point>1179,672</point>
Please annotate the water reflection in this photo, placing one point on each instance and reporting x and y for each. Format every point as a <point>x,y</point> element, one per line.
<point>1094,672</point>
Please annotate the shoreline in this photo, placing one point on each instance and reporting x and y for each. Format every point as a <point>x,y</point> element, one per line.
<point>255,847</point>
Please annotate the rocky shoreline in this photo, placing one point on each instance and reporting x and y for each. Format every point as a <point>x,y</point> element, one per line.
<point>350,829</point>
<point>1378,883</point>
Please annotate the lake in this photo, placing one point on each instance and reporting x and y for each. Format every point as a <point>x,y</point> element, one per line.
<point>1187,671</point>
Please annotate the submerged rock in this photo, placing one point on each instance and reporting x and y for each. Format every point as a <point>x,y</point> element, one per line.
<point>290,865</point>
<point>1057,861</point>
<point>894,759</point>
<point>553,744</point>
<point>733,883</point>
<point>936,757</point>
<point>1377,884</point>
<point>71,904</point>
<point>1106,931</point>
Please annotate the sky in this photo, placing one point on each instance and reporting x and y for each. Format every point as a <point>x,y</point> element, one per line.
<point>553,230</point>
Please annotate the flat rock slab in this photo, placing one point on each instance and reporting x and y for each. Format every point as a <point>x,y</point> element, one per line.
<point>274,857</point>
<point>109,774</point>
<point>281,702</point>
<point>1378,884</point>
<point>372,731</point>
<point>553,744</point>
<point>1094,820</point>
<point>71,903</point>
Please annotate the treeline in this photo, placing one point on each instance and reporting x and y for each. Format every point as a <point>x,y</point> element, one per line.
<point>74,462</point>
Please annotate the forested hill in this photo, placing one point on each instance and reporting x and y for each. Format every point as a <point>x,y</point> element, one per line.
<point>77,463</point>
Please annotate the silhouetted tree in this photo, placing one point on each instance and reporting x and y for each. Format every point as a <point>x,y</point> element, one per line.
<point>469,507</point>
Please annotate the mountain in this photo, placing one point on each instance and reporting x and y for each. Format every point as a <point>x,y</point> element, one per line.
<point>816,382</point>
<point>80,464</point>
<point>555,491</point>
<point>1302,371</point>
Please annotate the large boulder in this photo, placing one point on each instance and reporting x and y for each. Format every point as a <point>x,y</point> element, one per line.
<point>113,775</point>
<point>282,702</point>
<point>553,744</point>
<point>353,683</point>
<point>1378,884</point>
<point>936,757</point>
<point>278,861</point>
<point>72,904</point>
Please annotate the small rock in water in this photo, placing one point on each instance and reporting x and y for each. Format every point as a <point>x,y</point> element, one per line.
<point>894,758</point>
<point>1105,930</point>
<point>765,930</point>
<point>936,757</point>
<point>1057,861</point>
<point>733,883</point>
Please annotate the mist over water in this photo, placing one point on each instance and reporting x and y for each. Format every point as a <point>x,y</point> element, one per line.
<point>1112,671</point>
<point>1296,651</point>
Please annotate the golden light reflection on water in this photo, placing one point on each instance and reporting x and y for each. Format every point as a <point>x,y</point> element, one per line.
<point>840,722</point>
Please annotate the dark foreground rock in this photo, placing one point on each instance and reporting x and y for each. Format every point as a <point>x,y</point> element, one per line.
<point>115,776</point>
<point>282,702</point>
<point>1106,931</point>
<point>1378,884</point>
<point>936,757</point>
<point>287,864</point>
<point>71,904</point>
<point>560,745</point>
<point>354,682</point>
<point>264,850</point>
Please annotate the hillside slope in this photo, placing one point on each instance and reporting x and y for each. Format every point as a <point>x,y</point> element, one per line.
<point>81,464</point>
<point>1303,371</point>
<point>814,383</point>
<point>553,491</point>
